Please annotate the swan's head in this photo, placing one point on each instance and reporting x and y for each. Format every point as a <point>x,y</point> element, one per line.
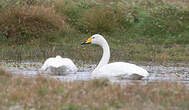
<point>95,39</point>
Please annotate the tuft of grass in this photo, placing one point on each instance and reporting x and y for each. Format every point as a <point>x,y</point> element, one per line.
<point>4,73</point>
<point>22,24</point>
<point>98,20</point>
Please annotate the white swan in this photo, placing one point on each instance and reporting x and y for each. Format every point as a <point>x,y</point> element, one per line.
<point>59,65</point>
<point>116,69</point>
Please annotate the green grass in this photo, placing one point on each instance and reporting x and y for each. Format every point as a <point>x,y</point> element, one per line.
<point>43,93</point>
<point>162,54</point>
<point>147,30</point>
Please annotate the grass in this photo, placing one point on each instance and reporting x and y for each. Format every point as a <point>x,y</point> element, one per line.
<point>44,93</point>
<point>26,24</point>
<point>158,54</point>
<point>153,30</point>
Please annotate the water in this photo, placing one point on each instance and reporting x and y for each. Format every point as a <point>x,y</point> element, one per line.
<point>158,73</point>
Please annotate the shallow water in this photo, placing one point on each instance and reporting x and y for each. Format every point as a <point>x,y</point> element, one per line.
<point>158,73</point>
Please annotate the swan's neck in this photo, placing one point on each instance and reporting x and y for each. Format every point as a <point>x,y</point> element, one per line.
<point>106,54</point>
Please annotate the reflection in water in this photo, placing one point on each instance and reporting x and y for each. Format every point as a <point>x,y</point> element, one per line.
<point>157,73</point>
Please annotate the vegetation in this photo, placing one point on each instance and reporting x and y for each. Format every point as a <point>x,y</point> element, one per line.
<point>137,30</point>
<point>39,93</point>
<point>152,30</point>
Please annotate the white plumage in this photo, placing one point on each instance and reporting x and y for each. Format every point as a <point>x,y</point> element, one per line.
<point>59,65</point>
<point>121,70</point>
<point>117,69</point>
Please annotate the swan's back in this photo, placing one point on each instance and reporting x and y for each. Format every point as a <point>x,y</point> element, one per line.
<point>69,64</point>
<point>119,69</point>
<point>50,62</point>
<point>58,62</point>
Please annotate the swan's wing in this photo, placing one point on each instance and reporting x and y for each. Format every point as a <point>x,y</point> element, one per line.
<point>118,69</point>
<point>68,63</point>
<point>48,62</point>
<point>63,64</point>
<point>52,62</point>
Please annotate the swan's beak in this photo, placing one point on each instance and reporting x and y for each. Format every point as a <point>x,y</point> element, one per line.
<point>87,41</point>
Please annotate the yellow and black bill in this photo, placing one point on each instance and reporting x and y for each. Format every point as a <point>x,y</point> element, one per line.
<point>87,41</point>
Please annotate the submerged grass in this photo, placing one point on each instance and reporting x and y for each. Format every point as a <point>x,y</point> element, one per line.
<point>42,93</point>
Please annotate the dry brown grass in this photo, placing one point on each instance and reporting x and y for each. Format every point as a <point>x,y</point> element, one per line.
<point>5,73</point>
<point>21,24</point>
<point>41,94</point>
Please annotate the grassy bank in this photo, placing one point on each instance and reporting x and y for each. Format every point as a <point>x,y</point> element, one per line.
<point>158,54</point>
<point>49,94</point>
<point>155,30</point>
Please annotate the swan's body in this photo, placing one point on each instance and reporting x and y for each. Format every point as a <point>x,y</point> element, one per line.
<point>120,70</point>
<point>116,69</point>
<point>59,65</point>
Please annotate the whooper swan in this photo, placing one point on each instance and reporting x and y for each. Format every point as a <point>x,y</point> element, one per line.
<point>121,70</point>
<point>59,65</point>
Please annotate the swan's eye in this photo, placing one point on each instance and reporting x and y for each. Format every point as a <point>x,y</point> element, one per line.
<point>93,37</point>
